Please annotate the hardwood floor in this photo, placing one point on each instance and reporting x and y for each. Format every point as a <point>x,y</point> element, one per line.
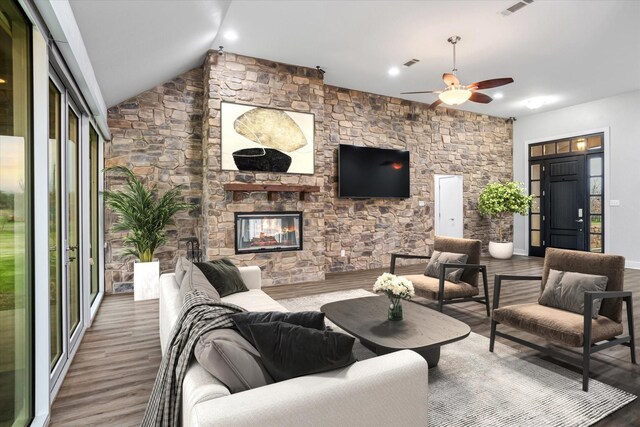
<point>111,377</point>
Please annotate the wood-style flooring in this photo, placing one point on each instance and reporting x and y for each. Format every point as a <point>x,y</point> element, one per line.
<point>111,376</point>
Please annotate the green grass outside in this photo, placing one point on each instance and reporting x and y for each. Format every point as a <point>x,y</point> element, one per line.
<point>12,259</point>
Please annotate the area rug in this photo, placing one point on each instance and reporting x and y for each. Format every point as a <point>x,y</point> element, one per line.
<point>473,387</point>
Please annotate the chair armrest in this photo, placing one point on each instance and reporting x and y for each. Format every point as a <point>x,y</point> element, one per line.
<point>392,267</point>
<point>457,265</point>
<point>497,285</point>
<point>607,294</point>
<point>382,391</point>
<point>589,296</point>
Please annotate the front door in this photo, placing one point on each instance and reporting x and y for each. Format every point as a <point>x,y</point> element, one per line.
<point>566,180</point>
<point>566,203</point>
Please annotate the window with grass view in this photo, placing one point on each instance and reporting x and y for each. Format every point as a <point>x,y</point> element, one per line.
<point>15,284</point>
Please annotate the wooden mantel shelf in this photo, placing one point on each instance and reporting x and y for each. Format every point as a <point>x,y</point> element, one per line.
<point>271,189</point>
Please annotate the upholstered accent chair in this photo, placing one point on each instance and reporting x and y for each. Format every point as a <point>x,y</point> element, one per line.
<point>442,290</point>
<point>567,328</point>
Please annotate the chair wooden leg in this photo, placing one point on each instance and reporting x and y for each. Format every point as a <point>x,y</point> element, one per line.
<point>492,339</point>
<point>632,339</point>
<point>586,348</point>
<point>486,292</point>
<point>585,371</point>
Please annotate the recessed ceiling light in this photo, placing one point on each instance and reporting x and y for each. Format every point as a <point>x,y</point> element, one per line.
<point>498,95</point>
<point>231,35</point>
<point>535,103</point>
<point>394,71</point>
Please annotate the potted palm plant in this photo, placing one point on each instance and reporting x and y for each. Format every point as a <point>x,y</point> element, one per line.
<point>497,200</point>
<point>144,215</point>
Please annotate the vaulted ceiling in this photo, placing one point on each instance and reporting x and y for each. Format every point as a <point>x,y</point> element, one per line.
<point>564,51</point>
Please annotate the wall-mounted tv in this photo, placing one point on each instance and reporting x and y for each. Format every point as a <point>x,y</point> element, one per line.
<point>365,172</point>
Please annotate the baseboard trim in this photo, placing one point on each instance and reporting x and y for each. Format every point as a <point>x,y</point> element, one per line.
<point>632,264</point>
<point>520,252</point>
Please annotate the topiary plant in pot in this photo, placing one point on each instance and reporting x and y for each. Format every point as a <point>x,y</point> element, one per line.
<point>497,200</point>
<point>144,215</point>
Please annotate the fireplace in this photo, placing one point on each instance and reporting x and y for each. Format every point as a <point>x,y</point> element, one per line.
<point>268,232</point>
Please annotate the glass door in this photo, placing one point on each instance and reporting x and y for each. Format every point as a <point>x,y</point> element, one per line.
<point>72,214</point>
<point>66,310</point>
<point>56,305</point>
<point>16,284</point>
<point>94,212</point>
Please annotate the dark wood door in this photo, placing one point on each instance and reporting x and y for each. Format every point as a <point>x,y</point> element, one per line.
<point>565,206</point>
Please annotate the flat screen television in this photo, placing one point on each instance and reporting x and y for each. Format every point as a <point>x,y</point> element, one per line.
<point>365,172</point>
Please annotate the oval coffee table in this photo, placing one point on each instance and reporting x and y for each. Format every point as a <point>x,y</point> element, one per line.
<point>422,330</point>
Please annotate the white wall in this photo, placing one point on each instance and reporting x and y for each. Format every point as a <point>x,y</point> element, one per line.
<point>621,114</point>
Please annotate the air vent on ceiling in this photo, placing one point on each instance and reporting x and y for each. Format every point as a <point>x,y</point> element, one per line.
<point>411,62</point>
<point>516,7</point>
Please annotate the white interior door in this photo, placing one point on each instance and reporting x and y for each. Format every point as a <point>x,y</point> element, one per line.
<point>448,206</point>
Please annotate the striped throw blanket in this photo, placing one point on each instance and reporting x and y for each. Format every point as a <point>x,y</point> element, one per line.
<point>199,315</point>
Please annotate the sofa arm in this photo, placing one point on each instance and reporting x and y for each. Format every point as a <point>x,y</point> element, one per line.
<point>252,276</point>
<point>387,390</point>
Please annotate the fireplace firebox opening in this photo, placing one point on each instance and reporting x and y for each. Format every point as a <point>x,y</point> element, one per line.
<point>268,232</point>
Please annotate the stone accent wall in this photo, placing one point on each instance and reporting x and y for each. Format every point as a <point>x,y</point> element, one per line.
<point>235,78</point>
<point>440,141</point>
<point>158,134</point>
<point>171,135</point>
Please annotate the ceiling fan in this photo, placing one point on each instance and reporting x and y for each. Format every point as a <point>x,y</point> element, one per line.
<point>455,93</point>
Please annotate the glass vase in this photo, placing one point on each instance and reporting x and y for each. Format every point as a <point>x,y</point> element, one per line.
<point>395,309</point>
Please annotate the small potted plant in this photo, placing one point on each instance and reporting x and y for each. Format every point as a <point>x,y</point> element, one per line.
<point>397,288</point>
<point>497,200</point>
<point>144,216</point>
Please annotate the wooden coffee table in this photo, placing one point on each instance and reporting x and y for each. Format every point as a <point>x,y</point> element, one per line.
<point>422,330</point>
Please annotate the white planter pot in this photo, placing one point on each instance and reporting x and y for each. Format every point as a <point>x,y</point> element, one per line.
<point>501,250</point>
<point>146,278</point>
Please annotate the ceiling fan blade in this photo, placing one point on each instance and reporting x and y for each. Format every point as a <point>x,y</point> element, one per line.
<point>488,84</point>
<point>450,79</point>
<point>480,97</point>
<point>422,91</point>
<point>435,104</point>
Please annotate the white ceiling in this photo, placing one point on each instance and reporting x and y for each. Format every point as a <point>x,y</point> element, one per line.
<point>566,51</point>
<point>137,44</point>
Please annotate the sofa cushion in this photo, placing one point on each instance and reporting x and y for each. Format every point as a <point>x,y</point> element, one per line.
<point>254,300</point>
<point>195,279</point>
<point>560,326</point>
<point>565,290</point>
<point>438,258</point>
<point>231,359</point>
<point>223,275</point>
<point>428,287</point>
<point>307,319</point>
<point>182,265</point>
<point>290,351</point>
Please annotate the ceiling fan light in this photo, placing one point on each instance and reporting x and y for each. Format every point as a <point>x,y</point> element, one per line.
<point>455,95</point>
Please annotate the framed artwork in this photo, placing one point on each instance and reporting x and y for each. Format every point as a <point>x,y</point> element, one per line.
<point>263,139</point>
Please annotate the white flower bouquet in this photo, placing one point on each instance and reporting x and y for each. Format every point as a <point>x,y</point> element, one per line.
<point>394,286</point>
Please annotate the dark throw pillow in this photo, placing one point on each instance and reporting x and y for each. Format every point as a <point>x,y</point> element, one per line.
<point>308,319</point>
<point>438,258</point>
<point>194,279</point>
<point>565,290</point>
<point>223,275</point>
<point>290,351</point>
<point>232,360</point>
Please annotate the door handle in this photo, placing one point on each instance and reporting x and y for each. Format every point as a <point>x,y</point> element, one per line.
<point>579,220</point>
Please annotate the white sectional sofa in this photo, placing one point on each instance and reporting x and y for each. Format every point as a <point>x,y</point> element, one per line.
<point>389,390</point>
